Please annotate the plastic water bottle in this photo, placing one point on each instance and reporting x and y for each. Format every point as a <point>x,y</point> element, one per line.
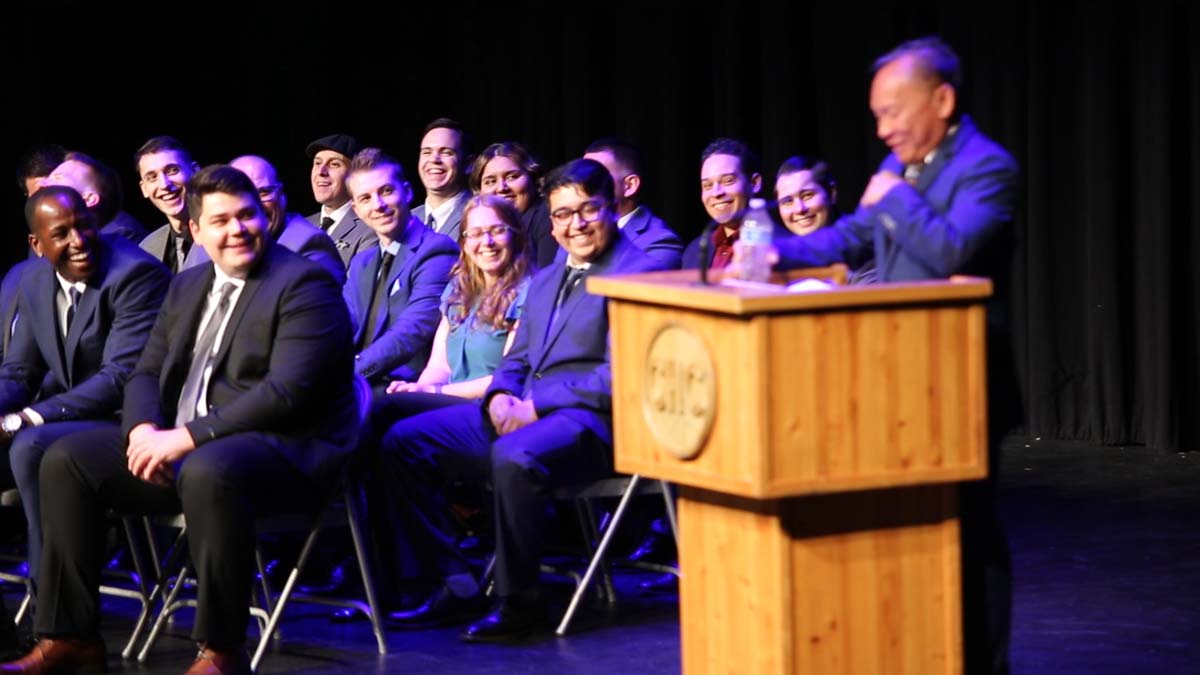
<point>755,237</point>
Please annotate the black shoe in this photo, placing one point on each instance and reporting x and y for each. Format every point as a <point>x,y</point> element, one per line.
<point>347,615</point>
<point>440,609</point>
<point>333,583</point>
<point>657,547</point>
<point>662,583</point>
<point>510,621</point>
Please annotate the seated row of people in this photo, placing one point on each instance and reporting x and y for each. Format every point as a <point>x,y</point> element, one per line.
<point>426,316</point>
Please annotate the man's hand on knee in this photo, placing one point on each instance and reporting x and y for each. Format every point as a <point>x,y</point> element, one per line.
<point>152,453</point>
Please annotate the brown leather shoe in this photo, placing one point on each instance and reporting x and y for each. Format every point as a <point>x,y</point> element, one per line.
<point>61,655</point>
<point>212,662</point>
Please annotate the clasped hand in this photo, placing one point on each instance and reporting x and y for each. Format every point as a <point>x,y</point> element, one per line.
<point>153,452</point>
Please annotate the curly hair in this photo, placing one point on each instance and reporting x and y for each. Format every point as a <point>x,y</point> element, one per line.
<point>467,281</point>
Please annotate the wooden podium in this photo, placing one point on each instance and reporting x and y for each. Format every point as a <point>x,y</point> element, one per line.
<point>817,439</point>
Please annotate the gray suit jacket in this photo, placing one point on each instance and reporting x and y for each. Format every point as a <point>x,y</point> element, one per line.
<point>453,225</point>
<point>156,245</point>
<point>350,234</point>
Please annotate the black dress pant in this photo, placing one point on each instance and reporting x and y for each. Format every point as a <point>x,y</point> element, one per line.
<point>221,487</point>
<point>421,455</point>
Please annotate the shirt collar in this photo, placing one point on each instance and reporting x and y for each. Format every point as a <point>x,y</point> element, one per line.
<point>945,141</point>
<point>337,214</point>
<point>222,278</point>
<point>442,213</point>
<point>393,248</point>
<point>66,286</point>
<point>624,220</point>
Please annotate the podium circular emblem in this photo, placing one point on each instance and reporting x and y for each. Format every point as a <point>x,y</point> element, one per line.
<point>679,393</point>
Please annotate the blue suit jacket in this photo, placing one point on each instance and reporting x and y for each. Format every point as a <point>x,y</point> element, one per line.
<point>955,220</point>
<point>8,301</point>
<point>126,226</point>
<point>566,368</point>
<point>283,366</point>
<point>399,342</point>
<point>649,233</point>
<point>110,329</point>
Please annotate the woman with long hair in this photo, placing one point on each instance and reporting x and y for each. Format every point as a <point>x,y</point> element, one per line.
<point>508,170</point>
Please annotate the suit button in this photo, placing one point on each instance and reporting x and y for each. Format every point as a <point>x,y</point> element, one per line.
<point>537,376</point>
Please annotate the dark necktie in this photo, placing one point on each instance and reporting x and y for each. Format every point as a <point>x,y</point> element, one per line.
<point>74,296</point>
<point>574,274</point>
<point>327,225</point>
<point>378,299</point>
<point>180,254</point>
<point>430,221</point>
<point>202,355</point>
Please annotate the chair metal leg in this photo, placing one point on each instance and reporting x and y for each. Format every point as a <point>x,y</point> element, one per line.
<point>669,501</point>
<point>281,602</point>
<point>360,553</point>
<point>179,548</point>
<point>264,586</point>
<point>164,613</point>
<point>630,490</point>
<point>26,603</point>
<point>150,543</point>
<point>605,590</point>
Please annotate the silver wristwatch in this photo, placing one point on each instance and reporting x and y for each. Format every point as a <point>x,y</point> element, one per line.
<point>11,423</point>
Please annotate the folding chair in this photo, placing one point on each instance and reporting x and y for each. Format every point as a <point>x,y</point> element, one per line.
<point>624,488</point>
<point>268,615</point>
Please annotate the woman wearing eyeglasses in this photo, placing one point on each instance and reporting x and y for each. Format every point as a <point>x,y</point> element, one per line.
<point>481,304</point>
<point>509,171</point>
<point>481,307</point>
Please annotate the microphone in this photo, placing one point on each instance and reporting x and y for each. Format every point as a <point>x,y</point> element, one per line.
<point>705,250</point>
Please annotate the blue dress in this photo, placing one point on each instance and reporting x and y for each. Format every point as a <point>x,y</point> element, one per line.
<point>476,350</point>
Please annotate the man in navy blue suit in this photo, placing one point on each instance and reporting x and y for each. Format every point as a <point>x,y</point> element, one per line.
<point>85,312</point>
<point>635,219</point>
<point>546,419</point>
<point>393,289</point>
<point>942,203</point>
<point>240,405</point>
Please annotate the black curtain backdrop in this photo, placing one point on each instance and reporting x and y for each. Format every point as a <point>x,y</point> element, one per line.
<point>1100,104</point>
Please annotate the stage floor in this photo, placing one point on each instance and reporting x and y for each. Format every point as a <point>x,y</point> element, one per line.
<point>1106,555</point>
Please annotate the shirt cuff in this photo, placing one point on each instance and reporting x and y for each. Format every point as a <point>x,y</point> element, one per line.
<point>34,417</point>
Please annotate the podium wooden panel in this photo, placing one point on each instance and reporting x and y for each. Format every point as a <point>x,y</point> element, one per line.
<point>818,519</point>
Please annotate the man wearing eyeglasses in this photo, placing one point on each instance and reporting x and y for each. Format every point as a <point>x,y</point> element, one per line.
<point>290,230</point>
<point>546,418</point>
<point>393,289</point>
